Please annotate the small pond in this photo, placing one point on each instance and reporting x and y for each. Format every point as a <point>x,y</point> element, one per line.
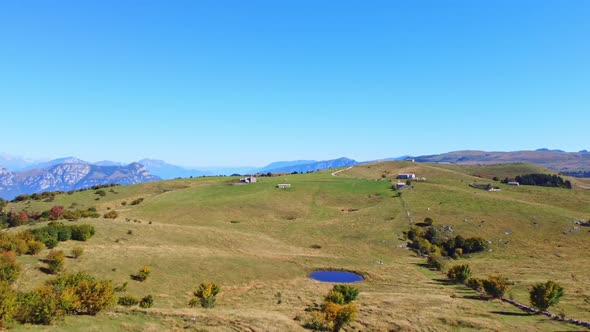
<point>336,276</point>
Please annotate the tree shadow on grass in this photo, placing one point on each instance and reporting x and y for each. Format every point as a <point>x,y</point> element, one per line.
<point>476,297</point>
<point>508,313</point>
<point>445,282</point>
<point>45,270</point>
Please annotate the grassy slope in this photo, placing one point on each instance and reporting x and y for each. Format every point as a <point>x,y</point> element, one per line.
<point>255,240</point>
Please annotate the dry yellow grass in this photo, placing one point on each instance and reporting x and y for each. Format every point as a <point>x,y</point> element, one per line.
<point>256,241</point>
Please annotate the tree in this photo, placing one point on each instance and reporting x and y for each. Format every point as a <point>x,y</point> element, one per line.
<point>56,212</point>
<point>545,295</point>
<point>338,315</point>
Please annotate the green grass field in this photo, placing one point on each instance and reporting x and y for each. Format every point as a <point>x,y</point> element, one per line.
<point>257,241</point>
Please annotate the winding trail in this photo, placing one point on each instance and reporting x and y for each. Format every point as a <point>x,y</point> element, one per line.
<point>342,170</point>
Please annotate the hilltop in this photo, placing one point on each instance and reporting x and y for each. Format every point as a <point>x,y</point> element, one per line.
<point>259,243</point>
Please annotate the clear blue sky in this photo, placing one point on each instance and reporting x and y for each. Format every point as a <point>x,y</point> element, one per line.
<point>248,82</point>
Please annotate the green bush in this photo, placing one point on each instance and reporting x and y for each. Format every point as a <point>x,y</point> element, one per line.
<point>428,221</point>
<point>415,232</point>
<point>459,273</point>
<point>128,301</point>
<point>146,302</point>
<point>9,268</point>
<point>40,306</point>
<point>495,286</point>
<point>64,233</point>
<point>35,247</point>
<point>82,232</point>
<point>334,297</point>
<point>51,242</point>
<point>7,304</point>
<point>436,262</point>
<point>55,261</point>
<point>349,293</point>
<point>545,295</point>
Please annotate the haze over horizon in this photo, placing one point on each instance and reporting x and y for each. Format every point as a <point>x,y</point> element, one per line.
<point>245,84</point>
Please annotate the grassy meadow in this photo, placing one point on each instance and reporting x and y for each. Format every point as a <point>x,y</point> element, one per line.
<point>260,243</point>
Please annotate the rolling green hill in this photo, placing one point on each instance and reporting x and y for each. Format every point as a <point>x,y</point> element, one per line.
<point>260,243</point>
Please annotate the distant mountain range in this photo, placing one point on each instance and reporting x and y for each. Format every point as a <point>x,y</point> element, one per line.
<point>573,163</point>
<point>165,170</point>
<point>22,176</point>
<point>69,176</point>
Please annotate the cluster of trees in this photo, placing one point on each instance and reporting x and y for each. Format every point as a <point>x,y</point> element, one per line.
<point>49,196</point>
<point>23,243</point>
<point>337,310</point>
<point>430,241</point>
<point>57,212</point>
<point>544,180</point>
<point>67,294</point>
<point>56,232</point>
<point>541,295</point>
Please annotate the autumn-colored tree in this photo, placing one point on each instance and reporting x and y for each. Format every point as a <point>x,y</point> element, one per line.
<point>9,268</point>
<point>338,315</point>
<point>56,212</point>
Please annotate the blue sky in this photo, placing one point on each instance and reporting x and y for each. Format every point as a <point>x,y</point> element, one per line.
<point>203,83</point>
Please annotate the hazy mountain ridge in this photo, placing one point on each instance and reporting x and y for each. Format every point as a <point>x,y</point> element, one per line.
<point>315,166</point>
<point>564,162</point>
<point>70,176</point>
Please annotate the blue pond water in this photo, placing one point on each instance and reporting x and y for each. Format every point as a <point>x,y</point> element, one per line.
<point>336,276</point>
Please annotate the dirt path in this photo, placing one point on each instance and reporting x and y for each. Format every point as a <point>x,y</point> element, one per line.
<point>342,170</point>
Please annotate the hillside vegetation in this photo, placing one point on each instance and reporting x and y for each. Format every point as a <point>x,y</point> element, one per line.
<point>259,243</point>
